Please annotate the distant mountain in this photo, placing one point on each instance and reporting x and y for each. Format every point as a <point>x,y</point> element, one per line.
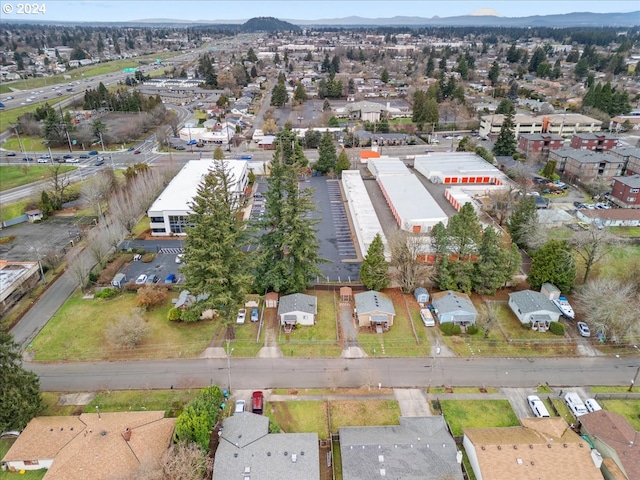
<point>267,24</point>
<point>485,12</point>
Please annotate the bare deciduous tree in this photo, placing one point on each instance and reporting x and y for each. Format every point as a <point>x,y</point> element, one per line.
<point>98,244</point>
<point>502,203</point>
<point>80,267</point>
<point>150,296</point>
<point>128,332</point>
<point>611,308</point>
<point>184,461</point>
<point>59,182</point>
<point>406,248</point>
<point>487,318</point>
<point>592,246</point>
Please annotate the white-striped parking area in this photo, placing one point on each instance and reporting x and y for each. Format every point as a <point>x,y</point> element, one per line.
<point>344,241</point>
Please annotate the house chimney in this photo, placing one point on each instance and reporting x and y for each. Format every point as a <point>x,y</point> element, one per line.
<point>127,434</point>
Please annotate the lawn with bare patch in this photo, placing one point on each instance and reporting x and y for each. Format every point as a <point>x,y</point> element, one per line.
<point>354,414</point>
<point>302,416</point>
<point>77,332</point>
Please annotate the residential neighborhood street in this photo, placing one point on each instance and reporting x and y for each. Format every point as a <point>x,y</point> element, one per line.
<point>263,373</point>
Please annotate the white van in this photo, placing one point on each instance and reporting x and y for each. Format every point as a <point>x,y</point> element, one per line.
<point>537,407</point>
<point>427,318</point>
<point>574,402</point>
<point>592,405</point>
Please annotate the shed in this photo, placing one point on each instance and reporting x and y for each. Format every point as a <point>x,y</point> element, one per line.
<point>271,300</point>
<point>533,308</point>
<point>346,295</point>
<point>297,308</point>
<point>375,310</point>
<point>34,215</point>
<point>119,280</point>
<point>455,307</point>
<point>422,295</point>
<point>550,291</point>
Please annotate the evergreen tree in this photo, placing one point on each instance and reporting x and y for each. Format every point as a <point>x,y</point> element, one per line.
<point>523,221</point>
<point>300,95</point>
<point>506,107</point>
<point>374,270</point>
<point>384,77</point>
<point>19,394</point>
<point>214,263</point>
<point>513,55</point>
<point>279,95</point>
<point>494,72</point>
<point>506,141</point>
<point>553,263</point>
<point>327,157</point>
<point>430,68</point>
<point>288,253</point>
<point>538,57</point>
<point>498,262</point>
<point>464,232</point>
<point>343,162</point>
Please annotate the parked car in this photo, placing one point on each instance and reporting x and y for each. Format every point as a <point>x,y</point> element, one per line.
<point>131,149</point>
<point>255,315</point>
<point>427,318</point>
<point>179,258</point>
<point>240,406</point>
<point>574,402</point>
<point>537,406</point>
<point>43,160</point>
<point>257,403</point>
<point>171,278</point>
<point>583,329</point>
<point>592,405</point>
<point>242,315</point>
<point>67,156</point>
<point>11,154</point>
<point>71,159</point>
<point>141,280</point>
<point>152,279</point>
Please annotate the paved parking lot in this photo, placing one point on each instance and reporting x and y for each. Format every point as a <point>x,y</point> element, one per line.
<point>162,265</point>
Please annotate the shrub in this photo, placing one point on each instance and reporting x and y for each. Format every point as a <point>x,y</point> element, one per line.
<point>147,257</point>
<point>449,329</point>
<point>556,328</point>
<point>173,315</point>
<point>106,293</point>
<point>128,332</point>
<point>93,277</point>
<point>150,296</point>
<point>472,329</point>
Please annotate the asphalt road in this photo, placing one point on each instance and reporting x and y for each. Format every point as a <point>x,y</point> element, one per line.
<point>256,373</point>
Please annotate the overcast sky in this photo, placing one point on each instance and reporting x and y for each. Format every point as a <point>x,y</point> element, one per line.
<point>116,10</point>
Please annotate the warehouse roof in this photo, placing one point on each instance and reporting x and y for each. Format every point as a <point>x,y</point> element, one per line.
<point>183,188</point>
<point>410,199</point>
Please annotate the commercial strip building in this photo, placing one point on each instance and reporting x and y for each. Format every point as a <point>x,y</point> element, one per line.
<point>365,220</point>
<point>169,213</point>
<point>563,124</point>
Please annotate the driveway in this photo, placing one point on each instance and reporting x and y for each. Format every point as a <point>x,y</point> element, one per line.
<point>350,333</point>
<point>412,402</point>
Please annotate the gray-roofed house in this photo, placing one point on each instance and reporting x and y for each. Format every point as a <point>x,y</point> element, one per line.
<point>533,308</point>
<point>374,310</point>
<point>419,448</point>
<point>298,308</point>
<point>248,451</point>
<point>454,307</point>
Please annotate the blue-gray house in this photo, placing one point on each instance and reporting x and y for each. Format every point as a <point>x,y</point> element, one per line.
<point>454,307</point>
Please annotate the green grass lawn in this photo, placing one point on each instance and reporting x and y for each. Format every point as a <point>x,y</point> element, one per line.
<point>245,343</point>
<point>77,332</point>
<point>10,117</point>
<point>561,408</point>
<point>12,176</point>
<point>627,232</point>
<point>29,144</point>
<point>137,400</point>
<point>620,260</point>
<point>13,209</point>
<point>399,341</point>
<point>440,390</point>
<point>143,225</point>
<point>320,340</point>
<point>607,389</point>
<point>300,416</point>
<point>478,414</point>
<point>370,413</point>
<point>630,409</point>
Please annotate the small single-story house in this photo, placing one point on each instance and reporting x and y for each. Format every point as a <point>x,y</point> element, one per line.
<point>455,307</point>
<point>375,310</point>
<point>420,447</point>
<point>539,448</point>
<point>99,446</point>
<point>616,440</point>
<point>534,308</point>
<point>248,451</point>
<point>298,308</point>
<point>34,215</point>
<point>185,299</point>
<point>421,294</point>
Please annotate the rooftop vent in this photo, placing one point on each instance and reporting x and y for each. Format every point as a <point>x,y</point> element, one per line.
<point>519,460</point>
<point>383,472</point>
<point>247,469</point>
<point>103,433</point>
<point>127,434</point>
<point>380,458</point>
<point>531,446</point>
<point>268,454</point>
<point>294,457</point>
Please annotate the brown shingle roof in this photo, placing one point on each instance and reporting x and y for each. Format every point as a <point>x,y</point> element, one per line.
<point>93,446</point>
<point>541,448</point>
<point>614,430</point>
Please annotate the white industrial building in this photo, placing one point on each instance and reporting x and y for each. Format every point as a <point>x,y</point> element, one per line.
<point>169,213</point>
<point>411,204</point>
<point>387,166</point>
<point>364,217</point>
<point>458,168</point>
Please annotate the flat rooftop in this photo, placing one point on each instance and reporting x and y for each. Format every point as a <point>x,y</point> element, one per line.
<point>183,188</point>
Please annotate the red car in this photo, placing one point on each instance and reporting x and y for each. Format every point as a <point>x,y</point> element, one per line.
<point>137,152</point>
